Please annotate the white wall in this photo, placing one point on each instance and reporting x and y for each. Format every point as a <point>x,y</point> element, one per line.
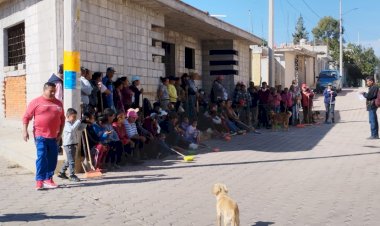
<point>40,41</point>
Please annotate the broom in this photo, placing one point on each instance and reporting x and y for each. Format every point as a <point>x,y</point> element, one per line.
<point>186,158</point>
<point>89,169</point>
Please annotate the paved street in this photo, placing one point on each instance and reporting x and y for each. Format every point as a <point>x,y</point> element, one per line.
<point>318,175</point>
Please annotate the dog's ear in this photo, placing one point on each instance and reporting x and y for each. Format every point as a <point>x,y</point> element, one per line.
<point>216,189</point>
<point>224,188</point>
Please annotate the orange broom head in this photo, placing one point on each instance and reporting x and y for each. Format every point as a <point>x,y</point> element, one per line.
<point>92,174</point>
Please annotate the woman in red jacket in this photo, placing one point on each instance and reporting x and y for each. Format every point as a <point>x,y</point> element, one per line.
<point>307,103</point>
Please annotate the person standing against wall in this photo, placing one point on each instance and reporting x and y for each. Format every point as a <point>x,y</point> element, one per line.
<point>137,92</point>
<point>108,82</point>
<point>58,81</point>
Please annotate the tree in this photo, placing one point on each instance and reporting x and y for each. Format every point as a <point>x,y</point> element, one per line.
<point>360,62</point>
<point>300,32</point>
<point>327,31</point>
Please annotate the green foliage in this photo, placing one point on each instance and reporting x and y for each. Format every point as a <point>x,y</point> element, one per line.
<point>300,32</point>
<point>327,31</point>
<point>360,61</point>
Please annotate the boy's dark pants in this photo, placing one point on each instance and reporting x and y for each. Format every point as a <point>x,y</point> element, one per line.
<point>115,152</point>
<point>70,151</point>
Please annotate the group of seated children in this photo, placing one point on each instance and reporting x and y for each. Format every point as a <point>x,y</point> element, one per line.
<point>117,138</point>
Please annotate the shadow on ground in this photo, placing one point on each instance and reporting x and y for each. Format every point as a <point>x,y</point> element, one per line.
<point>258,162</point>
<point>262,223</point>
<point>34,217</point>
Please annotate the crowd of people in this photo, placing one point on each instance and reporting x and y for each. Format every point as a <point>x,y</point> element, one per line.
<point>123,127</point>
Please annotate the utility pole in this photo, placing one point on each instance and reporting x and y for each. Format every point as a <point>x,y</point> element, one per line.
<point>71,55</point>
<point>271,44</point>
<point>250,20</point>
<point>341,42</point>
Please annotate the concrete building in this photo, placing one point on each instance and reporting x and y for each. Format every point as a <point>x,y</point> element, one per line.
<point>302,62</point>
<point>150,38</point>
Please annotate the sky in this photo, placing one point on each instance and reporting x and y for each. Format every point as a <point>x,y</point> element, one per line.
<point>361,18</point>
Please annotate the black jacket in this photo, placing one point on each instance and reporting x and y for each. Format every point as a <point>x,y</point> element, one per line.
<point>371,96</point>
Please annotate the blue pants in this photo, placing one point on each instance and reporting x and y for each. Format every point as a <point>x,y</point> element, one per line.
<point>373,122</point>
<point>191,106</point>
<point>47,156</point>
<point>329,111</point>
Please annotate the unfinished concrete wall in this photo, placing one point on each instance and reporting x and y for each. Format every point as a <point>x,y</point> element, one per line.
<point>40,43</point>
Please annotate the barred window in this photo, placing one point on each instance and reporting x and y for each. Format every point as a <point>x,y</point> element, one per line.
<point>16,44</point>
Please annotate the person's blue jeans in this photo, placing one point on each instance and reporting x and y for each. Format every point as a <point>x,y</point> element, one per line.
<point>294,114</point>
<point>373,122</point>
<point>191,106</point>
<point>232,126</point>
<point>47,157</point>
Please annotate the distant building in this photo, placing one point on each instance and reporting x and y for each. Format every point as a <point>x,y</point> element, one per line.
<point>292,62</point>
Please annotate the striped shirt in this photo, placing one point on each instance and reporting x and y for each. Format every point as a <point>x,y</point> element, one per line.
<point>131,129</point>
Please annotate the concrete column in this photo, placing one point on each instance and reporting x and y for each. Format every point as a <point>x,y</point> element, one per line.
<point>71,56</point>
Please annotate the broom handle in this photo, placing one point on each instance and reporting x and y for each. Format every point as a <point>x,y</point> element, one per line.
<point>88,148</point>
<point>177,152</point>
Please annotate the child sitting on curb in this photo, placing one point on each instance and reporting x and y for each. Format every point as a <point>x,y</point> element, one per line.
<point>192,133</point>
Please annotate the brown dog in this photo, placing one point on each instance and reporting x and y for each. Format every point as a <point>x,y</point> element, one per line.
<point>281,118</point>
<point>225,206</point>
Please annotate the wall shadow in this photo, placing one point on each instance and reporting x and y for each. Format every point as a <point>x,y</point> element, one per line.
<point>12,217</point>
<point>260,161</point>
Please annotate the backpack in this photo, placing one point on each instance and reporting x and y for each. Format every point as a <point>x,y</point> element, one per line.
<point>377,100</point>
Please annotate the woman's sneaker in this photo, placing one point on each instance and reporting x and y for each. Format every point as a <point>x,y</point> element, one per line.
<point>50,183</point>
<point>39,185</point>
<point>74,178</point>
<point>62,175</point>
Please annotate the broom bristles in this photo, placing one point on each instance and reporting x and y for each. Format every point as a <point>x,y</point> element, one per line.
<point>92,174</point>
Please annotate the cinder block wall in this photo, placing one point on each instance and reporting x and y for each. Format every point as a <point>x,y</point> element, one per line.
<point>243,57</point>
<point>40,41</point>
<point>119,34</point>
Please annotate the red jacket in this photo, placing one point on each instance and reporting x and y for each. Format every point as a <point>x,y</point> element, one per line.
<point>287,99</point>
<point>121,132</point>
<point>307,98</point>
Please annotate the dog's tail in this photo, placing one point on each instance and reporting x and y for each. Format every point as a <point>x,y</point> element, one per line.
<point>237,218</point>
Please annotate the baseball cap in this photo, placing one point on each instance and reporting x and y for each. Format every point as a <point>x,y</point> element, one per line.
<point>110,69</point>
<point>135,78</point>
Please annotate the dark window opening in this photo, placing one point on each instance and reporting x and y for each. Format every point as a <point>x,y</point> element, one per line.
<point>224,72</point>
<point>16,44</point>
<point>224,62</point>
<point>169,58</point>
<point>189,58</point>
<point>224,52</point>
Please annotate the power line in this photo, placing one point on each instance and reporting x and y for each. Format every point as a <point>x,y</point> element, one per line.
<point>311,9</point>
<point>298,11</point>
